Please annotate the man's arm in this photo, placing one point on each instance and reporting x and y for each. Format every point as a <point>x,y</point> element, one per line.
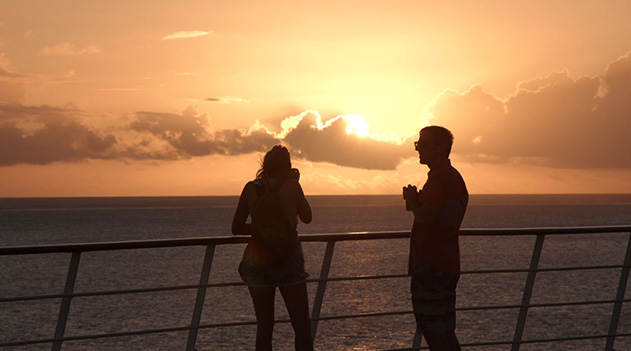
<point>430,201</point>
<point>426,213</point>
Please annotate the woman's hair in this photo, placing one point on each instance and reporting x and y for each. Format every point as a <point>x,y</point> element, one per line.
<point>276,163</point>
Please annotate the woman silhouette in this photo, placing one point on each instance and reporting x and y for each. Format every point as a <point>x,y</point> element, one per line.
<point>274,258</point>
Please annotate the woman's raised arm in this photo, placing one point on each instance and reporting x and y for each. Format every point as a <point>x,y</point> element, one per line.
<point>304,209</point>
<point>239,227</point>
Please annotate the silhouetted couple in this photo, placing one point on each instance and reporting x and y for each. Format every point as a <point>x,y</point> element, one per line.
<point>274,258</point>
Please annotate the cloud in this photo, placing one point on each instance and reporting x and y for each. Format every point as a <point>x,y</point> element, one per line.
<point>7,73</point>
<point>69,49</point>
<point>314,140</point>
<point>309,138</point>
<point>6,70</point>
<point>119,89</point>
<point>188,135</point>
<point>185,34</point>
<point>553,121</point>
<point>222,100</point>
<point>46,134</point>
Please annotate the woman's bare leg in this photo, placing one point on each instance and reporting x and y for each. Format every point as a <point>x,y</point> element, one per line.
<point>297,303</point>
<point>263,299</point>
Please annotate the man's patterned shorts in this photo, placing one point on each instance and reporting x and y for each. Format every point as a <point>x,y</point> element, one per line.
<point>433,299</point>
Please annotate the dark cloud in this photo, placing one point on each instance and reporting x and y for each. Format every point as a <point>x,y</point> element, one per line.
<point>189,136</point>
<point>44,134</point>
<point>554,121</point>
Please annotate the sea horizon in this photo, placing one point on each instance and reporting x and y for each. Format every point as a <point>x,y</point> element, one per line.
<point>391,199</point>
<point>224,195</point>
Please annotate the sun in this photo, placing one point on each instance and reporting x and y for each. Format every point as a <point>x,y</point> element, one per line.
<point>357,124</point>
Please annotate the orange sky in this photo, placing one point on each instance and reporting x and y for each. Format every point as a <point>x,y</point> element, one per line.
<point>182,98</point>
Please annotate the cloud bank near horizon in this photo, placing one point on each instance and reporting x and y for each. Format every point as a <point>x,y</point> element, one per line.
<point>45,134</point>
<point>554,121</point>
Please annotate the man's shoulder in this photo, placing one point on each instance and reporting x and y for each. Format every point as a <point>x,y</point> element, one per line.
<point>454,172</point>
<point>448,171</point>
<point>449,179</point>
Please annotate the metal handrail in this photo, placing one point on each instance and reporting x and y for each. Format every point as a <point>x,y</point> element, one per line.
<point>211,242</point>
<point>240,239</point>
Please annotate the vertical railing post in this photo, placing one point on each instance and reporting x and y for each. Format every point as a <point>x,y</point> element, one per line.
<point>324,275</point>
<point>530,283</point>
<point>64,310</point>
<point>617,307</point>
<point>201,296</point>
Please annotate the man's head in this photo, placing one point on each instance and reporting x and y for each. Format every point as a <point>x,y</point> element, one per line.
<point>434,144</point>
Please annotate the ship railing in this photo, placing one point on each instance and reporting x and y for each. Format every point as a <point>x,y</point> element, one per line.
<point>75,251</point>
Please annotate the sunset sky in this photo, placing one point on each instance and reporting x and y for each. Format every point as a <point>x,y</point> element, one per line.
<point>144,98</point>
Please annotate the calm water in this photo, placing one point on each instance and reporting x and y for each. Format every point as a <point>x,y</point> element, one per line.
<point>47,221</point>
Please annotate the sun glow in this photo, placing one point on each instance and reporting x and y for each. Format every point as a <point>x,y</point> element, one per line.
<point>357,124</point>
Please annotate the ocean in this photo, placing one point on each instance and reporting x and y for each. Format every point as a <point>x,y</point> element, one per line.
<point>38,221</point>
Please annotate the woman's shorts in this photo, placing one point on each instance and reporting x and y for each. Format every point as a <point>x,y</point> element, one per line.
<point>288,272</point>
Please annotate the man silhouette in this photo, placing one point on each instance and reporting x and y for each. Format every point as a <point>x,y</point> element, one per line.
<point>434,262</point>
